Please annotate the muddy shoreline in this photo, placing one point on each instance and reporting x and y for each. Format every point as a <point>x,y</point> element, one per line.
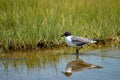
<point>42,46</point>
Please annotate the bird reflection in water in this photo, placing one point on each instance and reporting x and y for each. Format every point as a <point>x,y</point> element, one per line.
<point>77,65</point>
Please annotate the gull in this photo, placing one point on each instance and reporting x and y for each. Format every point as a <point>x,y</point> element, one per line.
<point>76,41</point>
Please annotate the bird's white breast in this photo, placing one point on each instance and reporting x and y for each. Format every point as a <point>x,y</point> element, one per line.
<point>69,41</point>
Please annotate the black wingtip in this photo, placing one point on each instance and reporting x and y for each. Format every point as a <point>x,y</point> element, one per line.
<point>99,41</point>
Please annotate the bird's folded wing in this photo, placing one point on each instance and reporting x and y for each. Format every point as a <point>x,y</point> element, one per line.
<point>81,40</point>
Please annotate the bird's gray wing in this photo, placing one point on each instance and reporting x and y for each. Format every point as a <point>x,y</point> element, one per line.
<point>80,40</point>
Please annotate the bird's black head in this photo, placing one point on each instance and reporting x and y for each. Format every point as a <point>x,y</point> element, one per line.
<point>67,33</point>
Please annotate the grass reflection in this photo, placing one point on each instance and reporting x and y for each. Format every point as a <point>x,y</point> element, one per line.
<point>30,60</point>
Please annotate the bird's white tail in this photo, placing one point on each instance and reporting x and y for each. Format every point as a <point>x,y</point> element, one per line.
<point>95,66</point>
<point>93,41</point>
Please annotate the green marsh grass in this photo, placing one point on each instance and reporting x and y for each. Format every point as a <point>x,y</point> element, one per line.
<point>25,23</point>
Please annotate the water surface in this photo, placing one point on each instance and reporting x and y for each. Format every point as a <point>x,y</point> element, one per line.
<point>50,66</point>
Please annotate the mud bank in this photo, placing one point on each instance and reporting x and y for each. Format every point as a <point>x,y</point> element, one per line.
<point>41,45</point>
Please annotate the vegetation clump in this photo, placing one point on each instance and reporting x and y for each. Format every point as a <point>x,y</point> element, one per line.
<point>27,24</point>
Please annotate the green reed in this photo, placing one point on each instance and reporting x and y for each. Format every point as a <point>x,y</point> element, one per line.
<point>24,23</point>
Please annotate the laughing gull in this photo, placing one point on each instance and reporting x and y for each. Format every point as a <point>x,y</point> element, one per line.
<point>76,41</point>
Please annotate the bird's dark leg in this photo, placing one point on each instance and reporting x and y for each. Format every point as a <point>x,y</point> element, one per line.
<point>77,56</point>
<point>77,51</point>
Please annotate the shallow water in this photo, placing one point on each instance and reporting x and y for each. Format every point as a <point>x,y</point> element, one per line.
<point>50,66</point>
